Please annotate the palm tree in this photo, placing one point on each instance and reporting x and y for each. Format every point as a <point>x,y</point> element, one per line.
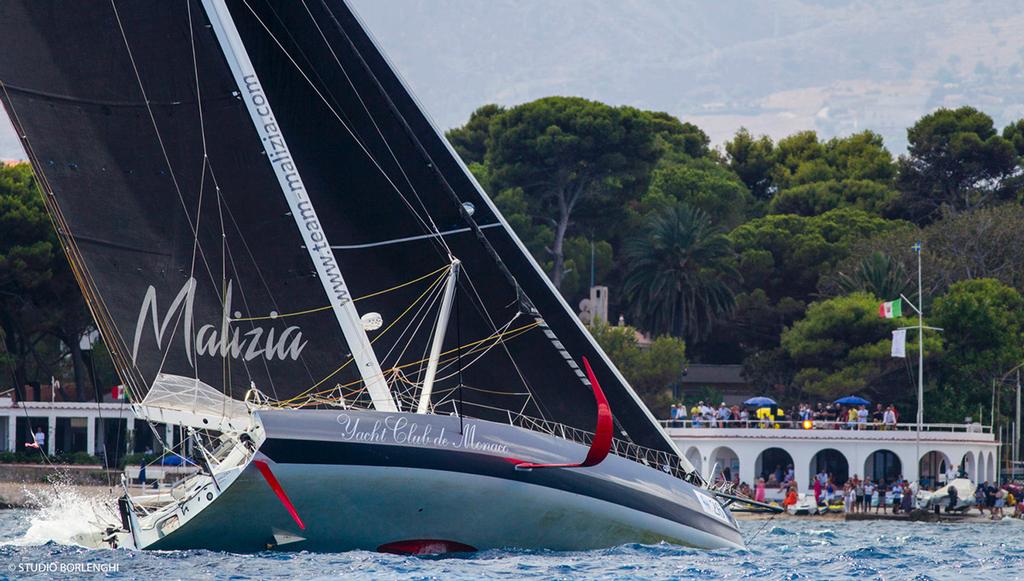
<point>679,272</point>
<point>879,274</point>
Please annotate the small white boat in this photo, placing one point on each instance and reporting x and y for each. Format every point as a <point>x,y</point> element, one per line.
<point>805,505</point>
<point>928,500</point>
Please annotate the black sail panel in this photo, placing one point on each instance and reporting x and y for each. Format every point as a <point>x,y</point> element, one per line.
<point>163,196</point>
<point>383,179</point>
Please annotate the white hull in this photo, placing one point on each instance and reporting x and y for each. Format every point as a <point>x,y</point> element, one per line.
<point>366,507</point>
<point>352,492</point>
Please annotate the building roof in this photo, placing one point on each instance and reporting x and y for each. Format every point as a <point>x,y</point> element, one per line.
<point>700,373</point>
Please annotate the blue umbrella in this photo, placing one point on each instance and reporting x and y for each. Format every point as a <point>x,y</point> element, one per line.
<point>759,401</point>
<point>852,400</point>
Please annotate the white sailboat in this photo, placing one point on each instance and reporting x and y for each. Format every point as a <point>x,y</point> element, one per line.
<point>287,260</point>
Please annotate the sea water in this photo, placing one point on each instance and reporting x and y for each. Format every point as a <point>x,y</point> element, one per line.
<point>36,544</point>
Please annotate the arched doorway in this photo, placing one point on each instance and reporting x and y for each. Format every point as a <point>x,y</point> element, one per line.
<point>831,462</point>
<point>773,464</point>
<point>992,468</point>
<point>981,468</point>
<point>933,468</point>
<point>883,466</point>
<point>724,464</point>
<point>693,455</point>
<point>968,467</point>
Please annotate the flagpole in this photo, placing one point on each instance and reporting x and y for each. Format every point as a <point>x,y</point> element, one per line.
<point>920,359</point>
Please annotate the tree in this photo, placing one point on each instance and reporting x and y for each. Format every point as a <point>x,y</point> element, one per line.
<point>800,159</point>
<point>1014,133</point>
<point>983,322</point>
<point>785,255</point>
<point>679,273</point>
<point>649,369</point>
<point>842,346</point>
<point>752,160</point>
<point>956,161</point>
<point>39,300</point>
<point>878,274</point>
<point>470,140</point>
<point>861,156</point>
<point>984,243</point>
<point>570,155</point>
<point>704,184</point>
<point>27,254</point>
<point>819,197</point>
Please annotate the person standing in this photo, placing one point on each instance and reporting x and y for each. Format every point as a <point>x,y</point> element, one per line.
<point>723,414</point>
<point>869,490</point>
<point>858,493</point>
<point>817,491</point>
<point>889,418</point>
<point>759,490</point>
<point>39,439</point>
<point>897,496</point>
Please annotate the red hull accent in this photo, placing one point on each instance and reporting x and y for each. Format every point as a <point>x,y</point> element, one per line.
<point>264,469</point>
<point>425,547</point>
<point>602,443</point>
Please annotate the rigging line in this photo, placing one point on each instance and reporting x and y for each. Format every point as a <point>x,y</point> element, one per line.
<point>458,341</point>
<point>316,73</point>
<point>82,276</point>
<point>97,307</point>
<point>458,359</point>
<point>371,295</point>
<point>156,130</point>
<point>541,410</point>
<point>259,274</point>
<point>245,301</point>
<point>410,238</point>
<point>379,335</point>
<point>199,205</point>
<point>476,347</point>
<point>375,125</point>
<point>415,325</point>
<point>163,147</point>
<point>202,175</point>
<point>524,300</point>
<point>337,116</point>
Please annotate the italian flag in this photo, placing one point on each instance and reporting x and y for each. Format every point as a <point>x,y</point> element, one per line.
<point>891,309</point>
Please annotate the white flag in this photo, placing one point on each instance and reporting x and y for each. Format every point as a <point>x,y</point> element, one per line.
<point>899,343</point>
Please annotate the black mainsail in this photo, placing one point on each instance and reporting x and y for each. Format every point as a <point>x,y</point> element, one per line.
<point>196,263</point>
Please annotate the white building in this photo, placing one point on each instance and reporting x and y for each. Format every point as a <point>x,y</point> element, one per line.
<point>110,428</point>
<point>750,453</point>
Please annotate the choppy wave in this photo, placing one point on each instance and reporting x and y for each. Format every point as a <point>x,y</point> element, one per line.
<point>61,514</point>
<point>790,549</point>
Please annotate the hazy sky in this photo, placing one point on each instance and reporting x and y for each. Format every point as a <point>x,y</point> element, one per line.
<point>837,66</point>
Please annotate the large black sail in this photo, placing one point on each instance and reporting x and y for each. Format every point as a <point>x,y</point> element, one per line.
<point>163,195</point>
<point>118,105</point>
<point>342,104</point>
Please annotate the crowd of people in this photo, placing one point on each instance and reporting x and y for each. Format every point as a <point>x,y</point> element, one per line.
<point>821,416</point>
<point>866,495</point>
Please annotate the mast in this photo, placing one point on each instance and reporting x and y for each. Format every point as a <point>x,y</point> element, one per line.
<point>435,348</point>
<point>313,235</point>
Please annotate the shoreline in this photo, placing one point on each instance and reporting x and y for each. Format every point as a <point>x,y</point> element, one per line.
<point>22,495</point>
<point>25,495</point>
<point>970,516</point>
